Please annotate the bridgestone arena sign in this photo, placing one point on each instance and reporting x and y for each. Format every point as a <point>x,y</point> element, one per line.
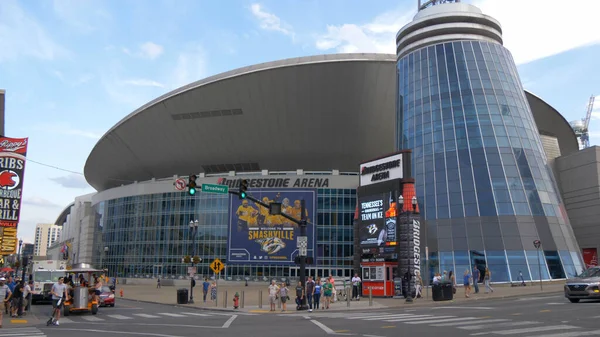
<point>277,182</point>
<point>381,170</point>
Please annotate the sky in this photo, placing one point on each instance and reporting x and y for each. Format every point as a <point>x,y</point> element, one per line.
<point>74,68</point>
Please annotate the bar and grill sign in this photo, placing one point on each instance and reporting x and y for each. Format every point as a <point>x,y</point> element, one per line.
<point>12,169</point>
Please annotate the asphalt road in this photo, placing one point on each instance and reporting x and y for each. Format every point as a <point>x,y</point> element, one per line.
<point>548,316</point>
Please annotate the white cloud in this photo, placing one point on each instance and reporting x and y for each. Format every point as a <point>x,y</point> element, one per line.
<point>270,21</point>
<point>143,83</point>
<point>148,50</point>
<point>72,181</point>
<point>39,202</point>
<point>534,31</point>
<point>377,36</point>
<point>22,36</point>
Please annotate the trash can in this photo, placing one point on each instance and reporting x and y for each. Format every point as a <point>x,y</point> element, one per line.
<point>448,291</point>
<point>182,296</point>
<point>436,292</point>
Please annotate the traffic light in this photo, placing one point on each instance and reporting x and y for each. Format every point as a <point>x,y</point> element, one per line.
<point>243,188</point>
<point>192,185</point>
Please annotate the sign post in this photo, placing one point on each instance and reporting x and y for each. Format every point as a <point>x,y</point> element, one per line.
<point>212,188</point>
<point>537,244</point>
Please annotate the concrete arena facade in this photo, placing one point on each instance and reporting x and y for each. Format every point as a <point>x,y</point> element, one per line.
<point>478,156</point>
<point>144,225</point>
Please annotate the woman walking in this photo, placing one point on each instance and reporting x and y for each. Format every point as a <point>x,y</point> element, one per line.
<point>213,291</point>
<point>327,292</point>
<point>283,295</point>
<point>467,283</point>
<point>317,294</point>
<point>487,278</point>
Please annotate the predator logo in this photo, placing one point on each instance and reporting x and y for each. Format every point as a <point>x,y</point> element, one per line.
<point>372,228</point>
<point>271,245</point>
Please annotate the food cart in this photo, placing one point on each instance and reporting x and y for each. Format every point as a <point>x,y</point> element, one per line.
<point>81,296</point>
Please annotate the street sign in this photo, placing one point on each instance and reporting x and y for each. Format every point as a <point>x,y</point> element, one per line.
<point>192,271</point>
<point>537,243</point>
<point>217,266</point>
<point>180,184</point>
<point>302,242</point>
<point>212,188</point>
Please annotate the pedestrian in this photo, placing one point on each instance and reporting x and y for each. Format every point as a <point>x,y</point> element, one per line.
<point>355,286</point>
<point>327,292</point>
<point>283,296</point>
<point>158,283</point>
<point>476,276</point>
<point>310,292</point>
<point>205,287</point>
<point>27,295</point>
<point>418,284</point>
<point>317,294</point>
<point>17,299</point>
<point>273,290</point>
<point>299,295</point>
<point>5,295</point>
<point>467,283</point>
<point>487,279</point>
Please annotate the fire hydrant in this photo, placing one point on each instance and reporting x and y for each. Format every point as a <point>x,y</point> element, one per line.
<point>236,300</point>
<point>121,292</point>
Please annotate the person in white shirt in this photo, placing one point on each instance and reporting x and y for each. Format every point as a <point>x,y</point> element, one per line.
<point>355,286</point>
<point>273,290</point>
<point>27,296</point>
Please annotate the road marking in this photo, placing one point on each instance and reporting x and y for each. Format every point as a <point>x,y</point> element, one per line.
<point>109,332</point>
<point>66,320</point>
<point>119,316</point>
<point>229,321</point>
<point>388,326</point>
<point>25,332</point>
<point>534,329</point>
<point>260,311</point>
<point>496,325</point>
<point>323,327</point>
<point>170,314</point>
<point>535,298</point>
<point>422,318</point>
<point>475,308</point>
<point>195,314</point>
<point>380,318</point>
<point>340,331</point>
<point>471,322</point>
<point>445,320</point>
<point>18,321</point>
<point>556,303</point>
<point>147,316</point>
<point>545,310</point>
<point>91,319</point>
<point>516,314</point>
<point>575,334</point>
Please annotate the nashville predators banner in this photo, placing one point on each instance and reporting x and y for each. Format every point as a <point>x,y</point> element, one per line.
<point>12,170</point>
<point>255,236</point>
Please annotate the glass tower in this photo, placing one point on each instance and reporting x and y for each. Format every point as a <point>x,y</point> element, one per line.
<point>481,172</point>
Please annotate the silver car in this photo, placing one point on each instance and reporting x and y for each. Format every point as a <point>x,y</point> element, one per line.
<point>584,286</point>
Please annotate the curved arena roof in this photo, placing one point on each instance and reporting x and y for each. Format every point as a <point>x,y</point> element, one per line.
<point>315,113</point>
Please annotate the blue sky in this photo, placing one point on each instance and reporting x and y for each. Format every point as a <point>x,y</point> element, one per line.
<point>74,68</point>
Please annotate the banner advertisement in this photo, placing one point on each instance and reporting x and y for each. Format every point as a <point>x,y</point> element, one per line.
<point>590,257</point>
<point>12,170</point>
<point>255,236</point>
<point>377,218</point>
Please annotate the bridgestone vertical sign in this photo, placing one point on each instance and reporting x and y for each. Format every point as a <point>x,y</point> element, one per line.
<point>13,152</point>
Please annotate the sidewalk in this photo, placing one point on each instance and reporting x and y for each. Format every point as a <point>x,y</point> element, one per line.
<point>251,296</point>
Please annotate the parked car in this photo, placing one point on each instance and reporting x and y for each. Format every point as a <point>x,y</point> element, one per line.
<point>585,286</point>
<point>107,297</point>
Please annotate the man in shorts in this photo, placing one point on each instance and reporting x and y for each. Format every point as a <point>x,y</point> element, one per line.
<point>273,290</point>
<point>59,290</point>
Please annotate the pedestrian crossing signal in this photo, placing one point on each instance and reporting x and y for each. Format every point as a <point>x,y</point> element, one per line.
<point>192,184</point>
<point>309,259</point>
<point>243,188</point>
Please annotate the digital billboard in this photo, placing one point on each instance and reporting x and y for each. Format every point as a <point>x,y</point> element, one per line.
<point>255,236</point>
<point>377,215</point>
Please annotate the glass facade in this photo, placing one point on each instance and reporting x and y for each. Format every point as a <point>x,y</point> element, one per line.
<point>481,172</point>
<point>149,235</point>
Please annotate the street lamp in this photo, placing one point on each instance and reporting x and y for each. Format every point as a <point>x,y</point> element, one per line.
<point>102,257</point>
<point>409,298</point>
<point>194,229</point>
<point>19,257</point>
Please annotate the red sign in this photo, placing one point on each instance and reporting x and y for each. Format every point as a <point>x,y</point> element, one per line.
<point>12,170</point>
<point>180,184</point>
<point>590,257</point>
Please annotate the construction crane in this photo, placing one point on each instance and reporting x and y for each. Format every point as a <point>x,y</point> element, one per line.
<point>581,126</point>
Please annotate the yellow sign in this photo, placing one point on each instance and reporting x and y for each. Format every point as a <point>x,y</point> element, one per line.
<point>8,240</point>
<point>217,266</point>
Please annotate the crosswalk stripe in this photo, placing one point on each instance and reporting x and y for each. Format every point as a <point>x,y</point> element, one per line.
<point>65,320</point>
<point>170,314</point>
<point>90,318</point>
<point>195,314</point>
<point>147,316</point>
<point>445,320</point>
<point>119,317</point>
<point>534,329</point>
<point>418,318</point>
<point>497,325</point>
<point>16,332</point>
<point>575,334</point>
<point>471,322</point>
<point>380,318</point>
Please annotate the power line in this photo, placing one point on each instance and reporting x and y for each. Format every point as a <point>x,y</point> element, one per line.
<point>70,171</point>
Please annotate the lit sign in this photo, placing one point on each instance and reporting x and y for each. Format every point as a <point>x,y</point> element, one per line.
<point>380,170</point>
